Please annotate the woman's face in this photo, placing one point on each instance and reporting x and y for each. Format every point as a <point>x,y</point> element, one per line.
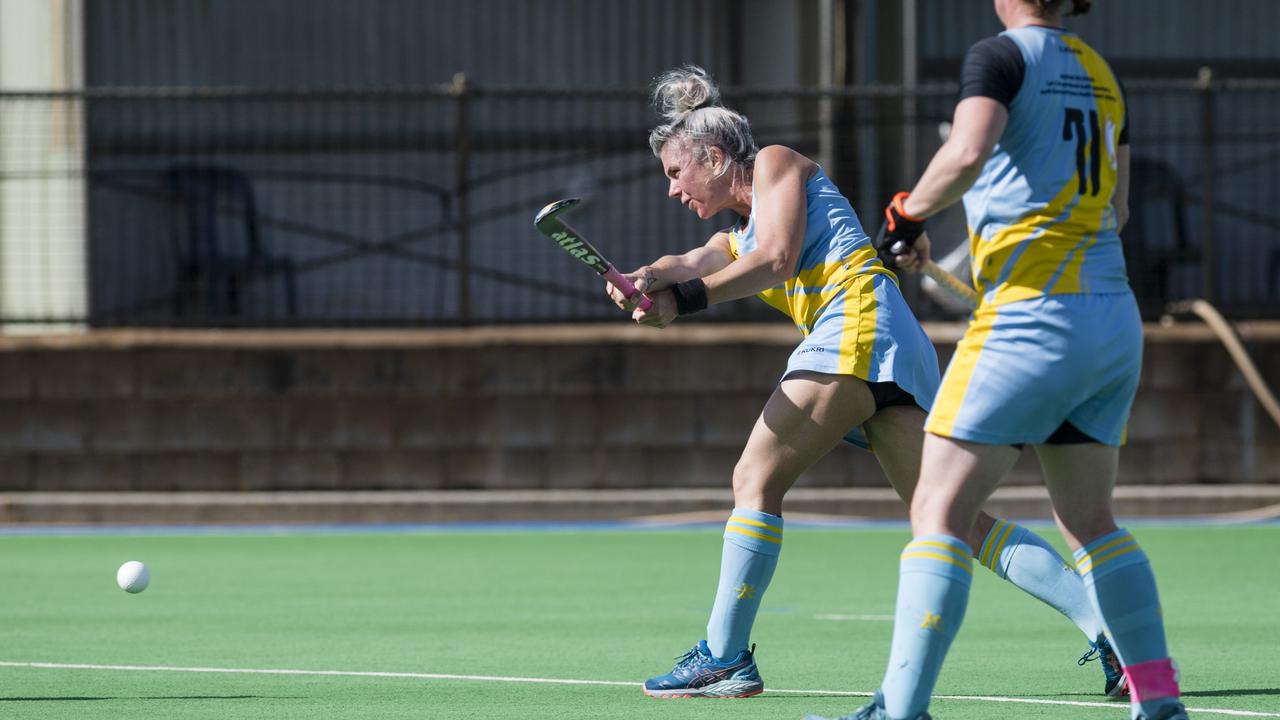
<point>694,183</point>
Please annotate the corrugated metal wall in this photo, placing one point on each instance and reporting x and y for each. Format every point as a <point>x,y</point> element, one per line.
<point>362,193</point>
<point>328,43</point>
<point>1126,31</point>
<point>368,196</point>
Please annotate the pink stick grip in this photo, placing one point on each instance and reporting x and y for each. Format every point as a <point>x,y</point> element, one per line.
<point>628,290</point>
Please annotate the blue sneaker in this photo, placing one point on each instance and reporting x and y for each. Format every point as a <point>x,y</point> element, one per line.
<point>873,710</point>
<point>699,674</point>
<point>1117,684</point>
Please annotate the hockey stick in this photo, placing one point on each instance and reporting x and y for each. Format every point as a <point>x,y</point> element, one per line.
<point>953,285</point>
<point>571,241</point>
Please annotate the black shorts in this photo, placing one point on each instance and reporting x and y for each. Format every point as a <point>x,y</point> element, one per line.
<point>1066,434</point>
<point>888,394</point>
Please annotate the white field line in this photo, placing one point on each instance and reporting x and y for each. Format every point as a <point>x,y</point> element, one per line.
<point>869,618</point>
<point>567,681</point>
<point>283,671</point>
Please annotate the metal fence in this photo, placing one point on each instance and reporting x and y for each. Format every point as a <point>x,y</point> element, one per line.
<point>413,206</point>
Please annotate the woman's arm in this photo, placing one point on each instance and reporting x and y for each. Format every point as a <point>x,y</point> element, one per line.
<point>779,179</point>
<point>975,130</point>
<point>699,262</point>
<point>1120,201</point>
<point>671,269</point>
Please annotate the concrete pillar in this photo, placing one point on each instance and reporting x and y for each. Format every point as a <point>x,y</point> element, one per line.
<point>43,236</point>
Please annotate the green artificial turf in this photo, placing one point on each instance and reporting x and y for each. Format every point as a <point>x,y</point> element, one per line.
<point>604,606</point>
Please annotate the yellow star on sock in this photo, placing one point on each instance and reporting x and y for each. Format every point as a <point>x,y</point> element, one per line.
<point>745,592</point>
<point>931,622</point>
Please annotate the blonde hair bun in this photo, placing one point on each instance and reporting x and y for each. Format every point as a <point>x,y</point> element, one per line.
<point>680,91</point>
<point>688,101</point>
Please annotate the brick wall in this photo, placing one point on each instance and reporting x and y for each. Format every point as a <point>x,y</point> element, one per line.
<point>510,408</point>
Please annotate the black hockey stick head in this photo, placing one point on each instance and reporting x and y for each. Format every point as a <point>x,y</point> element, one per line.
<point>552,210</point>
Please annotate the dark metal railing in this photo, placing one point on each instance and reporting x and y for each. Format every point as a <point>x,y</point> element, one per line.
<point>413,205</point>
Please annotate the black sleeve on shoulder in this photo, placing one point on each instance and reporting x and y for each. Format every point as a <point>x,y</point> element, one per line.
<point>1124,130</point>
<point>993,68</point>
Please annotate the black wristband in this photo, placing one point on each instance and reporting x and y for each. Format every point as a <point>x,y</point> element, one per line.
<point>691,296</point>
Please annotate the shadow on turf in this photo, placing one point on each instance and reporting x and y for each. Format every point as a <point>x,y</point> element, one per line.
<point>1231,693</point>
<point>153,697</point>
<point>1238,692</point>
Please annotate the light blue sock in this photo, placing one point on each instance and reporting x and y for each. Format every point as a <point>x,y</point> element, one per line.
<point>1030,563</point>
<point>933,590</point>
<point>1119,579</point>
<point>752,541</point>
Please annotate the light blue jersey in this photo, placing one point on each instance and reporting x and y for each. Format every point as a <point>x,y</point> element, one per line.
<point>1040,215</point>
<point>846,302</point>
<point>1056,338</point>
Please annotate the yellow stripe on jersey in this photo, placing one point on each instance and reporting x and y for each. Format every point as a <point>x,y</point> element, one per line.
<point>1092,208</point>
<point>858,336</point>
<point>1025,272</point>
<point>1004,271</point>
<point>1070,279</point>
<point>811,290</point>
<point>946,406</point>
<point>803,297</point>
<point>1111,112</point>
